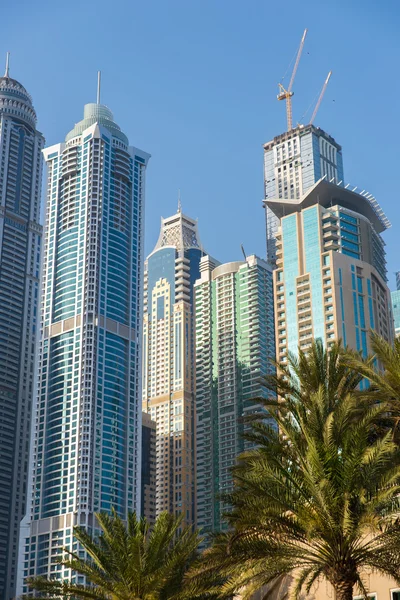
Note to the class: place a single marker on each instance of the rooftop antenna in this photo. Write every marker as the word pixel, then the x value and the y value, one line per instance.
pixel 179 201
pixel 7 73
pixel 98 86
pixel 244 253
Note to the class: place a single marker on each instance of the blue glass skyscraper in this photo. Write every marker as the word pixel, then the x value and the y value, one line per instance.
pixel 86 451
pixel 20 246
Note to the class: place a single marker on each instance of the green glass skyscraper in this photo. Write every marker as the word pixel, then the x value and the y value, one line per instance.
pixel 86 451
pixel 234 342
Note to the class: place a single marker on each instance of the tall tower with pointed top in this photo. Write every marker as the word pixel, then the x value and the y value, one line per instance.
pixel 20 248
pixel 86 454
pixel 168 360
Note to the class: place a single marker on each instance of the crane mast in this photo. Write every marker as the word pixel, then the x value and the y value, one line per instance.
pixel 286 94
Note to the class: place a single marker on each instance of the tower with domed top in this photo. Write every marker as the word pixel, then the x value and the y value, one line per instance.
pixel 86 453
pixel 20 248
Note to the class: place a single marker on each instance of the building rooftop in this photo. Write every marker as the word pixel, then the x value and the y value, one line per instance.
pixel 178 231
pixel 97 113
pixel 301 130
pixel 329 194
pixel 15 100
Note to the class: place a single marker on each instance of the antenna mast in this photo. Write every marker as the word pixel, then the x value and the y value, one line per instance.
pixel 98 86
pixel 7 72
pixel 179 202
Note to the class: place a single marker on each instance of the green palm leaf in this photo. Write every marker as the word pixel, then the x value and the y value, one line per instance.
pixel 318 498
pixel 128 561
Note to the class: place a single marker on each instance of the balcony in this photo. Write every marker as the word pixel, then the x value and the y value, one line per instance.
pixel 332 234
pixel 331 245
pixel 329 225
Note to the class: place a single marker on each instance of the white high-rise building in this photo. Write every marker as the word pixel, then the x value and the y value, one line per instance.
pixel 87 430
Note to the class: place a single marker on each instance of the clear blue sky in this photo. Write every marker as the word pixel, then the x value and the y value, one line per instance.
pixel 194 83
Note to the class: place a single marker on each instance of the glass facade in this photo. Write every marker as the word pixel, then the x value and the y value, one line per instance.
pixel 291 259
pixel 148 485
pixel 312 252
pixel 328 281
pixel 396 311
pixel 234 342
pixel 20 252
pixel 293 163
pixel 87 437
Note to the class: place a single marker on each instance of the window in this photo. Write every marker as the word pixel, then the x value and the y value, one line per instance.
pixel 370 596
pixel 395 594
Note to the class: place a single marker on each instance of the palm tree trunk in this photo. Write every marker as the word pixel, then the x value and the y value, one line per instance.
pixel 344 590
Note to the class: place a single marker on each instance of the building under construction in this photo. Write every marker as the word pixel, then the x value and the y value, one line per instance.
pixel 293 162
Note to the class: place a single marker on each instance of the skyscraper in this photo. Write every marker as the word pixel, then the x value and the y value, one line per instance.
pixel 330 280
pixel 20 247
pixel 396 305
pixel 86 455
pixel 168 359
pixel 234 342
pixel 293 162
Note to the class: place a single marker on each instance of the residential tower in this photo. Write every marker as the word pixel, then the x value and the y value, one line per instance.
pixel 293 162
pixel 168 360
pixel 20 253
pixel 234 345
pixel 330 279
pixel 87 427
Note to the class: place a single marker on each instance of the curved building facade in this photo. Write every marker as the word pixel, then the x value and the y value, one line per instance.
pixel 20 248
pixel 86 454
pixel 330 280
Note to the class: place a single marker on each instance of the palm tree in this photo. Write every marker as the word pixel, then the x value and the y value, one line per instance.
pixel 317 498
pixel 382 370
pixel 127 561
pixel 307 372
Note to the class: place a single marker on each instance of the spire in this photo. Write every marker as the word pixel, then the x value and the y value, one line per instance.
pixel 179 201
pixel 98 86
pixel 7 73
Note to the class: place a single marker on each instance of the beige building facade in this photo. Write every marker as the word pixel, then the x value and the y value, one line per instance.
pixel 168 361
pixel 378 586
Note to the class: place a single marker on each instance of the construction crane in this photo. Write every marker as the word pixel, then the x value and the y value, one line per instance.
pixel 320 97
pixel 287 94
